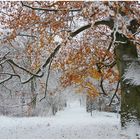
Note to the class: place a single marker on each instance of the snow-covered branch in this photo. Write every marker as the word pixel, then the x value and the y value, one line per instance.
pixel 48 9
pixel 107 21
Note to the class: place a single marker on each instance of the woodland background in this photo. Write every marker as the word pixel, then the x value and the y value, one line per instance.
pixel 55 51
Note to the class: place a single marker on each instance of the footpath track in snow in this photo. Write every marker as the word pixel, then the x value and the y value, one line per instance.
pixel 73 122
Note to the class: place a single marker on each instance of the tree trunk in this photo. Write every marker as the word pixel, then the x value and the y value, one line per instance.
pixel 130 95
pixel 33 96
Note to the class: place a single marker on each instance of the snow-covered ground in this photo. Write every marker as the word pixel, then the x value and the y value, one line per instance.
pixel 73 122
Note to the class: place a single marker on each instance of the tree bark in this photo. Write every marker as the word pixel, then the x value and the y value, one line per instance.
pixel 130 95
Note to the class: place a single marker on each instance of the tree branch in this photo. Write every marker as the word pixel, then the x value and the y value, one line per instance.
pixel 27 35
pixel 109 47
pixel 22 68
pixel 44 65
pixel 111 65
pixel 73 34
pixel 10 77
pixel 108 21
pixel 47 79
pixel 10 91
pixel 115 94
pixel 102 87
pixel 2 59
pixel 49 10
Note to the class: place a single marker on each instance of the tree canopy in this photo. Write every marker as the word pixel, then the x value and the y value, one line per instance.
pixel 75 38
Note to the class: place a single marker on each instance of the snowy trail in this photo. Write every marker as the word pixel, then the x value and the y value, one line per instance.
pixel 73 122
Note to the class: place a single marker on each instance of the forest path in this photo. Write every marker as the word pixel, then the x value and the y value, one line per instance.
pixel 73 122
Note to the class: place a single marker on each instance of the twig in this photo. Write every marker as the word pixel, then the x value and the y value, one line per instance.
pixel 7 89
pixel 26 35
pixel 5 55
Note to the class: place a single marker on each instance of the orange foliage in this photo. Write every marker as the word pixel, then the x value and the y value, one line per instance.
pixel 79 59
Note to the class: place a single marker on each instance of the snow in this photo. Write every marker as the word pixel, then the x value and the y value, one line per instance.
pixel 73 122
pixel 132 74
